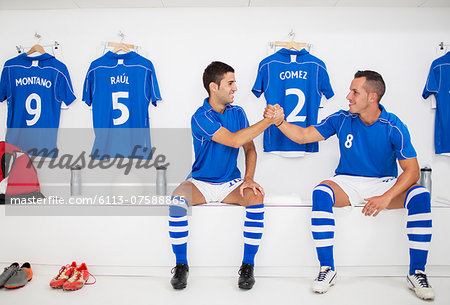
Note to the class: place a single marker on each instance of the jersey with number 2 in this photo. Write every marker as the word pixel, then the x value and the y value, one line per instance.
pixel 119 88
pixel 295 80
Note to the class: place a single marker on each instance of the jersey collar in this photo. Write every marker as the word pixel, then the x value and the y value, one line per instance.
pixel 33 58
pixel 121 56
pixel 293 52
pixel 208 107
pixel 384 113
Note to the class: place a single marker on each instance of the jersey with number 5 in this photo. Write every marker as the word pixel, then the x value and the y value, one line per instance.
pixel 120 88
pixel 295 80
pixel 368 150
pixel 35 88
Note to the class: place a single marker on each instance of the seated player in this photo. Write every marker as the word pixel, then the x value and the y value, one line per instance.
pixel 370 141
pixel 218 130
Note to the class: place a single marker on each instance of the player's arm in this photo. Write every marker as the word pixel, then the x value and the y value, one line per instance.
pixel 410 175
pixel 408 178
pixel 250 166
pixel 245 135
pixel 295 133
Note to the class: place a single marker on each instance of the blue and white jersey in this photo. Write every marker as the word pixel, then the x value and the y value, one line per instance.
pixel 296 81
pixel 215 162
pixel 120 88
pixel 368 150
pixel 438 83
pixel 34 88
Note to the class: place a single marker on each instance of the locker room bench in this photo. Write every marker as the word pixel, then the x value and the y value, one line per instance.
pixel 124 244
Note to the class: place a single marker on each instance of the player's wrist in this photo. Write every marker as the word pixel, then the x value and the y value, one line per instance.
pixel 278 125
pixel 388 197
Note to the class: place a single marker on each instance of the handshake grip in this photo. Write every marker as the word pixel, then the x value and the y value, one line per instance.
pixel 275 114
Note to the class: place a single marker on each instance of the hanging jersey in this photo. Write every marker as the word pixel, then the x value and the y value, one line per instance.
pixel 296 81
pixel 35 88
pixel 215 162
pixel 120 88
pixel 438 83
pixel 368 150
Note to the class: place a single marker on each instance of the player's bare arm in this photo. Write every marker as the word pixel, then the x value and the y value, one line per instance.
pixel 250 165
pixel 295 133
pixel 393 198
pixel 243 136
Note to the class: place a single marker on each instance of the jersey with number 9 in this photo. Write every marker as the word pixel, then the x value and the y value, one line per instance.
pixel 35 88
pixel 296 81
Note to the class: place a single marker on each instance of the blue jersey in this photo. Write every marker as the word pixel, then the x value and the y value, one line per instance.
pixel 438 83
pixel 215 162
pixel 34 88
pixel 296 81
pixel 368 150
pixel 120 88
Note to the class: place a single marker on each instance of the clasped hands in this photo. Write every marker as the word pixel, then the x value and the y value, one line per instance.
pixel 274 113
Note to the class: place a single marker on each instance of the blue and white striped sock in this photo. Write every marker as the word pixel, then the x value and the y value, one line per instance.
pixel 322 224
pixel 418 227
pixel 253 230
pixel 178 229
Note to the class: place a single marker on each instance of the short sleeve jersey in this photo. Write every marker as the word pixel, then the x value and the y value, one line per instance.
pixel 35 88
pixel 296 80
pixel 120 88
pixel 368 150
pixel 215 162
pixel 438 83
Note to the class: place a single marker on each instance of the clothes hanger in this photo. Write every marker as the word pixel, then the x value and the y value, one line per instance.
pixel 36 48
pixel 120 46
pixel 292 44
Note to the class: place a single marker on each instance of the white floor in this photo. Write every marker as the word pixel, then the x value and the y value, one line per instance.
pixel 223 290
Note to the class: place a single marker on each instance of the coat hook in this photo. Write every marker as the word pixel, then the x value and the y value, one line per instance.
pixel 292 35
pixel 122 36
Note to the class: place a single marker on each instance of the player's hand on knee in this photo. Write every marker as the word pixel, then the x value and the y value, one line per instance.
pixel 375 205
pixel 249 183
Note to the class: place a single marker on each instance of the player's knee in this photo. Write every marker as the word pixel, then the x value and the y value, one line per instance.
pixel 258 198
pixel 252 199
pixel 418 199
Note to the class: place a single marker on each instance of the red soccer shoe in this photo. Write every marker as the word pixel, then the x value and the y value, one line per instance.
pixel 64 274
pixel 78 279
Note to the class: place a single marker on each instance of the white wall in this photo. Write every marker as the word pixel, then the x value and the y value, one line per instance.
pixel 400 43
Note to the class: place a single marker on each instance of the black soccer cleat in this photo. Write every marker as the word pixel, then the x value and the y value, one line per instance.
pixel 246 278
pixel 180 276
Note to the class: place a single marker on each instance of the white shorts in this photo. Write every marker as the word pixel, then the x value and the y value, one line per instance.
pixel 357 187
pixel 216 192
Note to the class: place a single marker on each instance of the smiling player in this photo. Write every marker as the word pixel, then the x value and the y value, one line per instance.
pixel 371 140
pixel 218 130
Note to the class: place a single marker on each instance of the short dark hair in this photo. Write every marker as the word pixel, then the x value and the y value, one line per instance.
pixel 215 72
pixel 374 82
